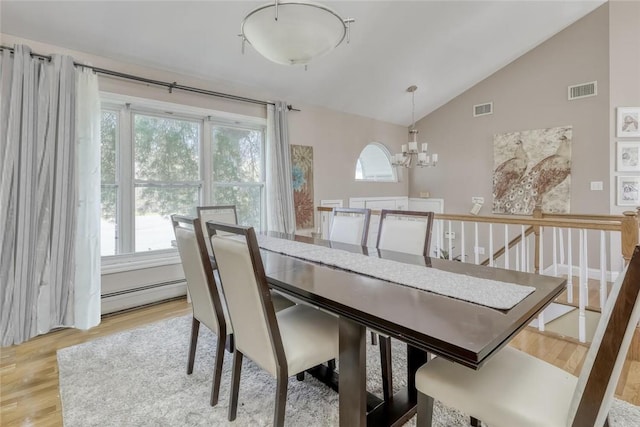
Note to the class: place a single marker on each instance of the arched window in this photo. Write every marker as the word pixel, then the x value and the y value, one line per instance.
pixel 374 164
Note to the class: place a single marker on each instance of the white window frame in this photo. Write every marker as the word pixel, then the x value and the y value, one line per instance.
pixel 376 178
pixel 125 105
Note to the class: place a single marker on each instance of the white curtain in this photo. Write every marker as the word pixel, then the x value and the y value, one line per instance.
pixel 39 195
pixel 280 208
pixel 87 271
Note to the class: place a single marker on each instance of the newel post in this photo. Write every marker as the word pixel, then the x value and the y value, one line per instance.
pixel 537 214
pixel 629 233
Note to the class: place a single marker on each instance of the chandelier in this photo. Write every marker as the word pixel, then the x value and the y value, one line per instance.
pixel 294 32
pixel 410 155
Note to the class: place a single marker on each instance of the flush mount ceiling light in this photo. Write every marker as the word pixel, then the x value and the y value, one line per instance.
pixel 294 32
pixel 410 154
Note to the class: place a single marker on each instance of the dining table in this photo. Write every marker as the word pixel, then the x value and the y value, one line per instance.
pixel 429 323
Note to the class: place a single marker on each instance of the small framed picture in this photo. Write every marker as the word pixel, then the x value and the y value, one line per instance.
pixel 628 191
pixel 628 122
pixel 628 156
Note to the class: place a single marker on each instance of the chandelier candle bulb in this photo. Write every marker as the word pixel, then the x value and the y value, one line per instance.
pixel 427 158
pixel 404 148
pixel 434 158
pixel 413 147
pixel 424 147
pixel 422 157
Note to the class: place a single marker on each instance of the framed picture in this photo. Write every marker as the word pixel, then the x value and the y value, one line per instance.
pixel 628 122
pixel 628 156
pixel 628 191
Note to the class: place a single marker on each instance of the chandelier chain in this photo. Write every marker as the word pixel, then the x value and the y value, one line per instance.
pixel 413 109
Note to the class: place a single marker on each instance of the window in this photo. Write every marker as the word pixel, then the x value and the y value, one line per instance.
pixel 153 166
pixel 167 176
pixel 238 172
pixel 374 164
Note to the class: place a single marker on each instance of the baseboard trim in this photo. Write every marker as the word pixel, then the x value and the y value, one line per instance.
pixel 122 300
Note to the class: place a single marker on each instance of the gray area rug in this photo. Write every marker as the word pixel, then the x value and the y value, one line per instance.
pixel 138 378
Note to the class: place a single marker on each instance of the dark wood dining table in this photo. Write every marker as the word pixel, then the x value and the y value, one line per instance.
pixel 427 322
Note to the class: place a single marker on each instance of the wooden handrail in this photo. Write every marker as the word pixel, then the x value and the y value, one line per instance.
pixel 584 217
pixel 608 225
pixel 627 224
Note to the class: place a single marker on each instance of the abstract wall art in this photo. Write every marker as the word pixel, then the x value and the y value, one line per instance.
pixel 302 176
pixel 532 168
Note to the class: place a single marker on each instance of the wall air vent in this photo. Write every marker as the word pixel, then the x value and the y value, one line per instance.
pixel 583 90
pixel 483 109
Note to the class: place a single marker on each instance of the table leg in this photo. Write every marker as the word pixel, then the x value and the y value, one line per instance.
pixel 415 359
pixel 353 374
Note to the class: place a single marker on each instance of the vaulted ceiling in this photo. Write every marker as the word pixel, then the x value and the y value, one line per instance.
pixel 443 47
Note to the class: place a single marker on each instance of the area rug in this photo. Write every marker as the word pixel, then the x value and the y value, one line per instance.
pixel 138 378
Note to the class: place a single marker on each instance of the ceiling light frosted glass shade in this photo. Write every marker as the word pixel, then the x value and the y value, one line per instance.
pixel 302 32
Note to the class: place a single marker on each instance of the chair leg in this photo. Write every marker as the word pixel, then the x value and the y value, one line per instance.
pixel 235 384
pixel 300 376
pixel 281 401
pixel 229 344
pixel 425 410
pixel 475 422
pixel 374 338
pixel 331 364
pixel 195 327
pixel 217 370
pixel 387 374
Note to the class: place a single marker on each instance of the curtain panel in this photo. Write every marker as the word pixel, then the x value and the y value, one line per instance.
pixel 280 208
pixel 41 203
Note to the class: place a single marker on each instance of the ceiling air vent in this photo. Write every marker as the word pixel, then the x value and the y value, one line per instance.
pixel 583 90
pixel 482 109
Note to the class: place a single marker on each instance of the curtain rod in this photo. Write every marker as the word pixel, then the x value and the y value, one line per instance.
pixel 168 85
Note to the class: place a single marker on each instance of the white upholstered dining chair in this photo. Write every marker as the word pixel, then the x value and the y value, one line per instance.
pixel 516 389
pixel 227 214
pixel 350 225
pixel 284 343
pixel 407 232
pixel 219 213
pixel 206 302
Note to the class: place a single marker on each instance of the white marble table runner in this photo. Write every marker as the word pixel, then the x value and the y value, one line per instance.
pixel 490 293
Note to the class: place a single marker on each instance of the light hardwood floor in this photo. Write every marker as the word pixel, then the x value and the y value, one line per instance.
pixel 29 389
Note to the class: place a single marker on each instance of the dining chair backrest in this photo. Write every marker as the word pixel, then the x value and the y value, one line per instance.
pixel 350 225
pixel 405 231
pixel 604 361
pixel 247 294
pixel 205 299
pixel 221 213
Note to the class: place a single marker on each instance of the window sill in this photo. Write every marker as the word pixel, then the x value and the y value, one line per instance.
pixel 130 262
